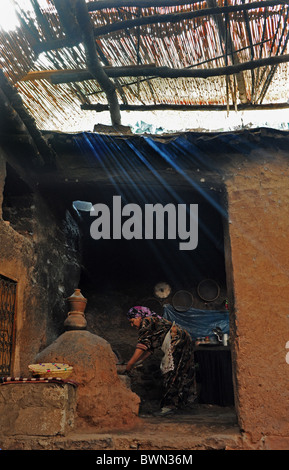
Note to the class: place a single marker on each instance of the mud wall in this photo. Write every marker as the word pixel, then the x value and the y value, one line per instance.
pixel 39 251
pixel 258 206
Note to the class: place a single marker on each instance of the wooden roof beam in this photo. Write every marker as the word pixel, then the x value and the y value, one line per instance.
pixel 185 107
pixel 108 4
pixel 66 76
pixel 75 75
pixel 167 72
pixel 57 76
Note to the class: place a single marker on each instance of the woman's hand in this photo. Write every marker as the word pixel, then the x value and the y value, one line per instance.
pixel 138 355
pixel 121 368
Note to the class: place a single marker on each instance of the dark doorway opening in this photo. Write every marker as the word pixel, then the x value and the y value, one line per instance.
pixel 120 273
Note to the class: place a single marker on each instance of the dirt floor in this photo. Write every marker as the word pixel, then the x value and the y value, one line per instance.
pixel 202 427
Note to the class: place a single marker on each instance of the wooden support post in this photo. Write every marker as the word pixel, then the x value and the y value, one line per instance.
pixel 75 19
pixel 93 62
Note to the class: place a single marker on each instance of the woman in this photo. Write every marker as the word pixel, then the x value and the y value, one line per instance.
pixel 178 361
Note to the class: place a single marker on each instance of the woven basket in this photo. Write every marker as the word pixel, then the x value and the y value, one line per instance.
pixel 51 369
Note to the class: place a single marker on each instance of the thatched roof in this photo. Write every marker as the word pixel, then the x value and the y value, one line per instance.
pixel 69 55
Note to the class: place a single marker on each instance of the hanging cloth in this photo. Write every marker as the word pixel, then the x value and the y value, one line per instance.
pixel 167 362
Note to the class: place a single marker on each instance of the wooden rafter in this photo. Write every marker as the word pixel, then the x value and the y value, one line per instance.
pixel 107 4
pixel 57 76
pixel 182 107
pixel 75 75
pixel 66 76
pixel 167 72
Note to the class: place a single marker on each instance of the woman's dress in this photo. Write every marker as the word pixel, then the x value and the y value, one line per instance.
pixel 179 382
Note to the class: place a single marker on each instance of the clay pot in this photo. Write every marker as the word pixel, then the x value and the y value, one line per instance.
pixel 77 302
pixel 76 319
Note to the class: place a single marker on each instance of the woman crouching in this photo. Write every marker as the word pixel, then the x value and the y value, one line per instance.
pixel 177 364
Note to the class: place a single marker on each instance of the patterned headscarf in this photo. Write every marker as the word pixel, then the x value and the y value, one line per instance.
pixel 141 312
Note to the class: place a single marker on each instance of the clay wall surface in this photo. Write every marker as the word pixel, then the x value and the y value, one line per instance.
pixel 258 206
pixel 44 262
pixel 37 409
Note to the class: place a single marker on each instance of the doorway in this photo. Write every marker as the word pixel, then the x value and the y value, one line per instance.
pixel 120 273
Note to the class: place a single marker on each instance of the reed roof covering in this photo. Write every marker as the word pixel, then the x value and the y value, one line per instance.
pixel 67 56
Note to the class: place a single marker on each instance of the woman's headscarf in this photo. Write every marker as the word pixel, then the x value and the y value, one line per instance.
pixel 141 312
